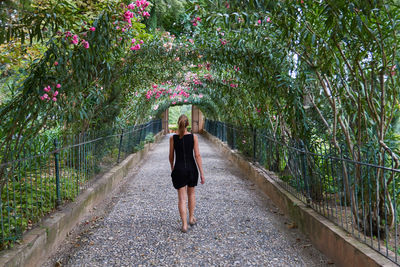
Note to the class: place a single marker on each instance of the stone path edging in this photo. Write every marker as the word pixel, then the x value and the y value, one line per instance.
pixel 43 239
pixel 325 235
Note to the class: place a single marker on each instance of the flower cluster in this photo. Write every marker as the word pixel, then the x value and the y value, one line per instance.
pixel 131 13
pixel 177 93
pixel 192 77
pixel 74 39
pixel 195 21
pixel 46 96
pixel 208 77
pixel 85 43
pixel 168 40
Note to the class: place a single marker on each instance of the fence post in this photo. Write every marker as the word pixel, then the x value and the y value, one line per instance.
pixel 304 167
pixel 120 145
pixel 57 169
pixel 234 138
pixel 224 132
pixel 254 144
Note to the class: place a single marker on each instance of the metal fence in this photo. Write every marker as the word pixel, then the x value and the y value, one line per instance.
pixel 51 171
pixel 358 191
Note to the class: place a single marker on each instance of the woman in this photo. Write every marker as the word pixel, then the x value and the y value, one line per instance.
pixel 184 172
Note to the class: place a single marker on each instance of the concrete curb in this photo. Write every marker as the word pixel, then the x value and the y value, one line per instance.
pixel 330 239
pixel 45 238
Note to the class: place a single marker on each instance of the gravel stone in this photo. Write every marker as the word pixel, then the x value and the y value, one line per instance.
pixel 237 225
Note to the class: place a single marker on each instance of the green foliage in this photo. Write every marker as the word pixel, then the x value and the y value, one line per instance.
pixel 26 200
pixel 149 138
pixel 175 111
pixel 168 15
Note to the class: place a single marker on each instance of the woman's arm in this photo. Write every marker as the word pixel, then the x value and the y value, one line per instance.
pixel 198 158
pixel 171 152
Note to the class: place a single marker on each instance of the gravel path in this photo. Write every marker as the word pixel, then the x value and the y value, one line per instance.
pixel 237 224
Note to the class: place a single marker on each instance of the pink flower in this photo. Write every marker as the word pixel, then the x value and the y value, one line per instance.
pixel 227 5
pixel 146 14
pixel 191 41
pixel 131 6
pixel 223 42
pixel 56 63
pixel 195 24
pixel 128 15
pixel 58 86
pixel 117 27
pixel 198 19
pixel 85 44
pixel 133 40
pixel 46 96
pixel 55 93
pixel 141 42
pixel 393 70
pixel 47 89
pixel 41 97
pixel 75 42
pixel 173 103
pixel 268 19
pixel 154 86
pixel 259 21
pixel 54 99
pixel 92 29
pixel 136 47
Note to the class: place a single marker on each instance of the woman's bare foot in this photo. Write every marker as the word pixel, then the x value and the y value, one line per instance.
pixel 184 229
pixel 192 221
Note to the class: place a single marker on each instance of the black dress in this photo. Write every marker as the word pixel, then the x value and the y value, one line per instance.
pixel 185 168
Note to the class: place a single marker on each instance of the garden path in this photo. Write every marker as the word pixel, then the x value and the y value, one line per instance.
pixel 237 224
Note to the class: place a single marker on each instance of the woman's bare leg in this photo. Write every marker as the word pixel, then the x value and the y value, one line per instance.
pixel 192 204
pixel 182 197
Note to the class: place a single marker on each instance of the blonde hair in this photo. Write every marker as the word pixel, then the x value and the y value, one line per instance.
pixel 183 122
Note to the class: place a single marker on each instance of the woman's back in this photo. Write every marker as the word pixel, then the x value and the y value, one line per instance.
pixel 183 148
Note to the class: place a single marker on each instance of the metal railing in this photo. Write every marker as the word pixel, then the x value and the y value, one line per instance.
pixel 51 171
pixel 358 191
